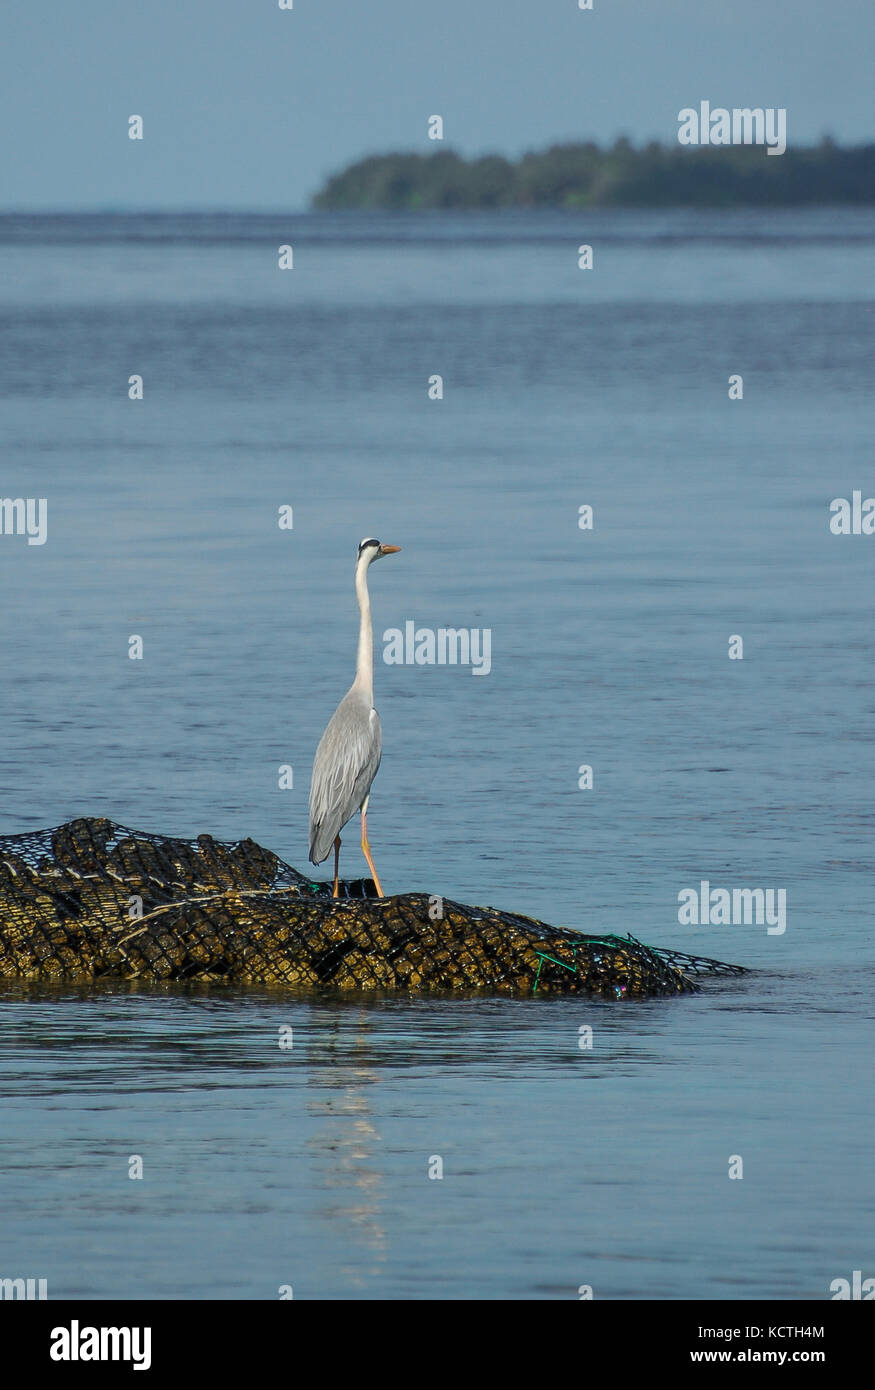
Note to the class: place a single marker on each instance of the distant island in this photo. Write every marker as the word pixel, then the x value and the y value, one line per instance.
pixel 584 175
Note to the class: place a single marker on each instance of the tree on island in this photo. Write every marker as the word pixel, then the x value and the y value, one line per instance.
pixel 584 175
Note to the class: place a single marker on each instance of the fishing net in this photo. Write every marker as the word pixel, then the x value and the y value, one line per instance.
pixel 92 899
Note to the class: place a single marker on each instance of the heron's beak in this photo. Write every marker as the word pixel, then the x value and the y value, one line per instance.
pixel 389 549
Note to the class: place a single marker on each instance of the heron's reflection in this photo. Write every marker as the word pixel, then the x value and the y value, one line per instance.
pixel 347 1149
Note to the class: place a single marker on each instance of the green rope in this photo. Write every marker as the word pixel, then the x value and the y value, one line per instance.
pixel 588 941
pixel 542 956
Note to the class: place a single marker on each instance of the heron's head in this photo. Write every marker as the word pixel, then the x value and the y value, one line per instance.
pixel 371 550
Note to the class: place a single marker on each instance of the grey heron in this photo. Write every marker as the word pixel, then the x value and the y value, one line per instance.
pixel 349 751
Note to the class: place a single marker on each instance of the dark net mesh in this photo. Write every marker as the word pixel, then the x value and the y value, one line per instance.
pixel 92 899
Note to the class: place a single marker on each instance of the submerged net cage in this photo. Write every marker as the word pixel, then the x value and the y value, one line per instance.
pixel 92 899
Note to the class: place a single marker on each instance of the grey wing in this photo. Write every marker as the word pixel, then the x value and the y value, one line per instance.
pixel 345 765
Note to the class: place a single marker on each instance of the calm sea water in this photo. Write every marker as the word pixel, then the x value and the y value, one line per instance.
pixel 609 387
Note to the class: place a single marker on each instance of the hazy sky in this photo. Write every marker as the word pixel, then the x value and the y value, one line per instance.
pixel 247 105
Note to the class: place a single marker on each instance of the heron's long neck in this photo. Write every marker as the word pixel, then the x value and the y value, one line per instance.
pixel 364 670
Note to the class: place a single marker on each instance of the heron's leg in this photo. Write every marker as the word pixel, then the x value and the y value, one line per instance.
pixel 366 851
pixel 336 893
